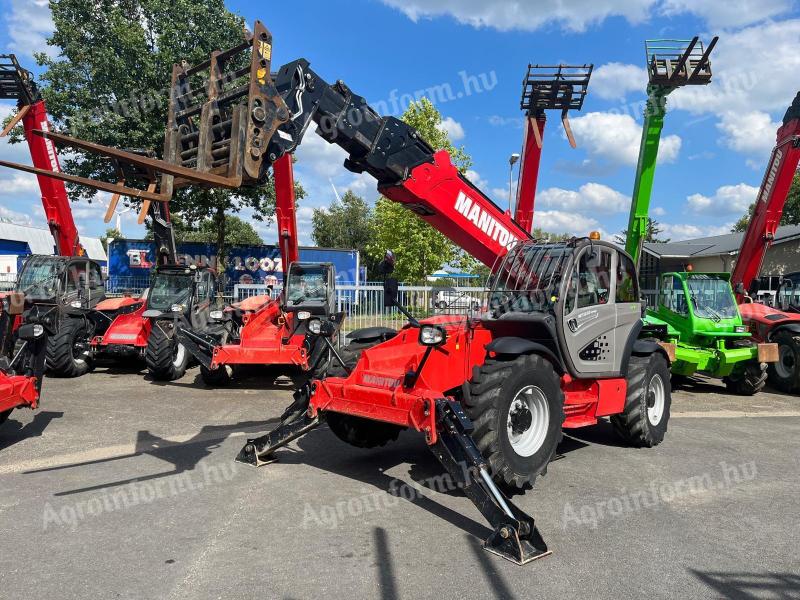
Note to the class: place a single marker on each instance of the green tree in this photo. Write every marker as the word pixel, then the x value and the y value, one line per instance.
pixel 237 231
pixel 347 224
pixel 110 234
pixel 654 229
pixel 791 210
pixel 108 82
pixel 545 236
pixel 419 248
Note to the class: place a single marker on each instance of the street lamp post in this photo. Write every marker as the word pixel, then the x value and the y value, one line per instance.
pixel 512 160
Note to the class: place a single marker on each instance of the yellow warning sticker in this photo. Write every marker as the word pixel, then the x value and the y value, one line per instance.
pixel 265 50
pixel 261 76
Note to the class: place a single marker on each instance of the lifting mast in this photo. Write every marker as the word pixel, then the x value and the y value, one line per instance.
pixel 17 84
pixel 671 64
pixel 545 88
pixel 770 201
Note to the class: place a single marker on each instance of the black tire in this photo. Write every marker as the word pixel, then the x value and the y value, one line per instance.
pixel 166 359
pixel 750 381
pixel 784 375
pixel 4 415
pixel 68 353
pixel 219 377
pixel 635 425
pixel 357 431
pixel 495 389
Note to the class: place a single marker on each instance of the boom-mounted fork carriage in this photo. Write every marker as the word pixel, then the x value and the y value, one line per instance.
pixel 559 346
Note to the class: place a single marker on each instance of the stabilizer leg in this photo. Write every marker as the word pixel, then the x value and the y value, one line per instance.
pixel 259 451
pixel 515 535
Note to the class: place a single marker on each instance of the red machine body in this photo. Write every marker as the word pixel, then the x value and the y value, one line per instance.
pixel 129 330
pixel 529 171
pixel 17 391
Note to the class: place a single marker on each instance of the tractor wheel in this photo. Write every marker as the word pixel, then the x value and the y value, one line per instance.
pixel 68 353
pixel 517 408
pixel 4 415
pixel 219 377
pixel 784 375
pixel 357 431
pixel 644 420
pixel 748 383
pixel 166 359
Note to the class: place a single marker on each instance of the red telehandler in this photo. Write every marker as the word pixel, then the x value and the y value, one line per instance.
pixel 769 324
pixel 560 344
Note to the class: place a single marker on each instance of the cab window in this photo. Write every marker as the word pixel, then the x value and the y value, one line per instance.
pixel 673 297
pixel 591 280
pixel 95 277
pixel 626 280
pixel 76 277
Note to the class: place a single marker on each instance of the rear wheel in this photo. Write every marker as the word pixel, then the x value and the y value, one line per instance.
pixel 644 420
pixel 166 359
pixel 68 352
pixel 749 381
pixel 517 408
pixel 784 375
pixel 357 431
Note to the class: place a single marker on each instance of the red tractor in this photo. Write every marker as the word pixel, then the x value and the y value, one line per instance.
pixel 560 344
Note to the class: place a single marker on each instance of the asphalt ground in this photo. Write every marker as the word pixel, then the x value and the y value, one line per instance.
pixel 119 487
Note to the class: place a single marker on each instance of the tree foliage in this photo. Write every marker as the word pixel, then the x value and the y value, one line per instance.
pixel 237 232
pixel 791 210
pixel 108 82
pixel 419 248
pixel 654 229
pixel 346 224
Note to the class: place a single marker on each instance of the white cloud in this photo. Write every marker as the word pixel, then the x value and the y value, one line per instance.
pixel 453 128
pixel 679 232
pixel 18 183
pixel 750 133
pixel 476 179
pixel 727 200
pixel 750 72
pixel 613 81
pixel 616 138
pixel 591 197
pixel 732 13
pixel 559 221
pixel 14 217
pixel 506 15
pixel 29 23
pixel 658 212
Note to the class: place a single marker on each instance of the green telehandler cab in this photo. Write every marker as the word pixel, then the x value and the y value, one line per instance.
pixel 694 312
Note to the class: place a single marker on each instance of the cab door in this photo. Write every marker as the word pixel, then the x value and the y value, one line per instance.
pixel 204 295
pixel 590 313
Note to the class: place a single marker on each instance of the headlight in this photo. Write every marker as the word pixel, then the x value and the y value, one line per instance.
pixel 76 304
pixel 178 308
pixel 315 326
pixel 38 330
pixel 740 329
pixel 303 315
pixel 432 335
pixel 216 315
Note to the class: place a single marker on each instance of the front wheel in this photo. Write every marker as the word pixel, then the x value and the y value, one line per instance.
pixel 784 375
pixel 750 381
pixel 643 422
pixel 166 359
pixel 68 352
pixel 517 408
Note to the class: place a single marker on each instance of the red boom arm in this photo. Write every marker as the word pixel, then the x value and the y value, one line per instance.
pixel 529 172
pixel 285 212
pixel 770 200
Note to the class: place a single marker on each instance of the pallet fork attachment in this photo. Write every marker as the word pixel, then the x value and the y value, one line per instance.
pixel 515 536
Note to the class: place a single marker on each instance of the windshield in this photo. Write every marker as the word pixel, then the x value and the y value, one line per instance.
pixel 529 278
pixel 39 278
pixel 307 283
pixel 167 290
pixel 711 297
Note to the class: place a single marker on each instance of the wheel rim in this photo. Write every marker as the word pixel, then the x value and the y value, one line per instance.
pixel 786 363
pixel 656 400
pixel 527 421
pixel 178 355
pixel 79 351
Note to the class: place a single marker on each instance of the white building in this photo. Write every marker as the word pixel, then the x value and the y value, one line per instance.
pixel 20 241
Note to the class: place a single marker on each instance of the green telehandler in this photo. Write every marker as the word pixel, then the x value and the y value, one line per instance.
pixel 695 313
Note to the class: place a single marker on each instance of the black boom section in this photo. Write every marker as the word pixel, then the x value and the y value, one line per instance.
pixel 385 147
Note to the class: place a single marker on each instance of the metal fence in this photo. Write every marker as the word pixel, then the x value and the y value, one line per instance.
pixel 7 281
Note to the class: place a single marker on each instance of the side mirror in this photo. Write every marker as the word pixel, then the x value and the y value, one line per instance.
pixel 738 289
pixel 390 288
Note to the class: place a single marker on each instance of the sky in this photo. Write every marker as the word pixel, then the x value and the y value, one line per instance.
pixel 470 56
